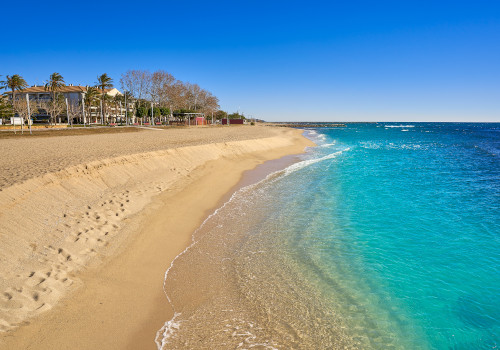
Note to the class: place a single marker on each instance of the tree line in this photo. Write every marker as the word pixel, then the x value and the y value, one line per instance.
pixel 145 94
pixel 163 90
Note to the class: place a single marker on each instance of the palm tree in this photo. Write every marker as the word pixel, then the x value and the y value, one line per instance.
pixel 54 84
pixel 90 98
pixel 103 82
pixel 14 82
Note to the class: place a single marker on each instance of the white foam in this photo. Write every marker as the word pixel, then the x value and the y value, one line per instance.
pixel 370 145
pixel 315 136
pixel 305 163
pixel 328 144
pixel 399 126
pixel 167 331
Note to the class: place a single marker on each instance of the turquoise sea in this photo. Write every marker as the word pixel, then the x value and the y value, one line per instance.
pixel 384 236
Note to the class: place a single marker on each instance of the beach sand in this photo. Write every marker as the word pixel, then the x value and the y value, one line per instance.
pixel 89 224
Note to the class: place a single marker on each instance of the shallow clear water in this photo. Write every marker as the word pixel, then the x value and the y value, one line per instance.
pixel 385 236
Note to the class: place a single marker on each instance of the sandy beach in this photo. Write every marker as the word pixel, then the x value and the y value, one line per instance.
pixel 90 223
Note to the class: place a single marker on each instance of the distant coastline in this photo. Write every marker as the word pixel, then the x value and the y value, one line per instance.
pixel 307 125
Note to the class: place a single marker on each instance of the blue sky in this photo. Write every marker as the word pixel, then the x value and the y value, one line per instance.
pixel 277 60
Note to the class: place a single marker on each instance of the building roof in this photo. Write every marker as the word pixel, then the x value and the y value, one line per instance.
pixel 67 89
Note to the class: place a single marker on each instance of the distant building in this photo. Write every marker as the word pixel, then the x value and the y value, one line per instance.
pixel 74 94
pixel 70 92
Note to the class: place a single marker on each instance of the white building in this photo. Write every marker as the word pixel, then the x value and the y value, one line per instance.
pixel 75 96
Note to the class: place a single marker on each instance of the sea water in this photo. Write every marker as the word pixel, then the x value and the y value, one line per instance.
pixel 385 236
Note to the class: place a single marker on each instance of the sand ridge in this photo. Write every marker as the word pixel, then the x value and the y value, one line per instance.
pixel 27 157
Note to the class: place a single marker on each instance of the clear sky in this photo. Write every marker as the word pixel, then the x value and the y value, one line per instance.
pixel 277 60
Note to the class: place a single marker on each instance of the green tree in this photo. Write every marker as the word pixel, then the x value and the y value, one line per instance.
pixel 14 83
pixel 156 112
pixel 141 112
pixel 164 111
pixel 220 115
pixel 103 82
pixel 91 96
pixel 54 85
pixel 129 105
pixel 6 110
pixel 236 116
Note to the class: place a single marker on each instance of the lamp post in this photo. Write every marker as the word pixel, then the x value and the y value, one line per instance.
pixel 29 111
pixel 83 109
pixel 151 114
pixel 67 112
pixel 126 109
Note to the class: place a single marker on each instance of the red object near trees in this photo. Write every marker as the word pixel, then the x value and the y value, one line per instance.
pixel 232 121
pixel 200 121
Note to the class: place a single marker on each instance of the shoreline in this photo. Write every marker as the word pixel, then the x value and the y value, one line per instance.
pixel 120 303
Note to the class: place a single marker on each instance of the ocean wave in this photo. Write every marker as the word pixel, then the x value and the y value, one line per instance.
pixel 399 126
pixel 165 332
pixel 410 146
pixel 392 146
pixel 369 145
pixel 328 144
pixel 305 163
pixel 315 136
